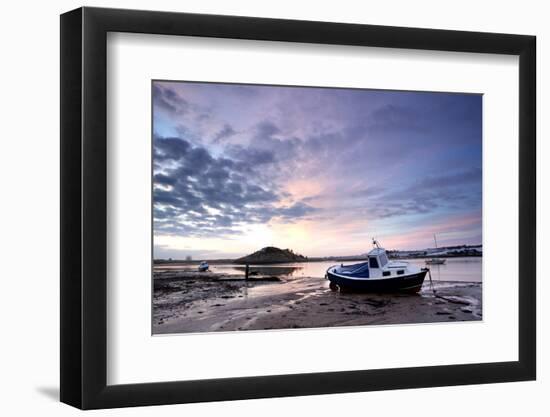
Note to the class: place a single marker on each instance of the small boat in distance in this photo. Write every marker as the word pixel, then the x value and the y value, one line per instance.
pixel 203 267
pixel 377 274
pixel 435 261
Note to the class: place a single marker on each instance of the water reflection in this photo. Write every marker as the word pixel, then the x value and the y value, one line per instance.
pixel 454 269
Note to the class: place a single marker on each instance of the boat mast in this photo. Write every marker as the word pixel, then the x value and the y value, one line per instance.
pixel 435 241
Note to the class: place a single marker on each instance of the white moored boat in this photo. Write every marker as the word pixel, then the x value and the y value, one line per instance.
pixel 435 261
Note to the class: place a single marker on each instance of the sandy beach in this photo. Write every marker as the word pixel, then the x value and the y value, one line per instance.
pixel 185 301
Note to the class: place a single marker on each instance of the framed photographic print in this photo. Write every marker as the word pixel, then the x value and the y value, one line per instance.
pixel 258 207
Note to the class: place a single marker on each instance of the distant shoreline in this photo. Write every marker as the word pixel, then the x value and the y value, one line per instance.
pixel 326 259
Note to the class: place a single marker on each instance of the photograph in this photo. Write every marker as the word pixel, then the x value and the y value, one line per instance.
pixel 292 207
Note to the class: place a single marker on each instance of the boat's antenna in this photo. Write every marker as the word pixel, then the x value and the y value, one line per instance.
pixel 375 243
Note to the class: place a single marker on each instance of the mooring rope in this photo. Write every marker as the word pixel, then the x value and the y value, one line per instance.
pixel 436 295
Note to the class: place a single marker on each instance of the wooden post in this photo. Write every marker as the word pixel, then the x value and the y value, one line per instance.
pixel 246 272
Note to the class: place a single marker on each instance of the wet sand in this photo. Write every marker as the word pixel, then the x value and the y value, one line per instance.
pixel 190 302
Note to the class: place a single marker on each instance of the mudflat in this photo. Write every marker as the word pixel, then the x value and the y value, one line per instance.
pixel 191 302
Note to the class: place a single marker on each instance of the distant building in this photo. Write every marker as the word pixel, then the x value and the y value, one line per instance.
pixel 188 258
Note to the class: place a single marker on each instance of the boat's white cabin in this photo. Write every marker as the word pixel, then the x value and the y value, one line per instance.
pixel 377 258
pixel 381 266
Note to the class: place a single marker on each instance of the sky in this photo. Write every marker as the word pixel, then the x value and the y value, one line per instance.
pixel 322 171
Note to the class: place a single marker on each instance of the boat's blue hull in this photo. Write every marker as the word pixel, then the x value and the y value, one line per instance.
pixel 407 283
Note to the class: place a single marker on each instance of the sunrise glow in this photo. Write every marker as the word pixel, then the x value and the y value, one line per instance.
pixel 317 170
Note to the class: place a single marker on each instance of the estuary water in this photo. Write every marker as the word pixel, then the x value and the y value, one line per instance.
pixel 467 269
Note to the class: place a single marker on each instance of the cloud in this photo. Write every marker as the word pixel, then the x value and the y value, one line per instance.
pixel 170 149
pixel 166 99
pixel 396 117
pixel 473 175
pixel 232 155
pixel 266 129
pixel 269 139
pixel 457 190
pixel 162 179
pixel 198 194
pixel 295 211
pixel 226 132
pixel 250 156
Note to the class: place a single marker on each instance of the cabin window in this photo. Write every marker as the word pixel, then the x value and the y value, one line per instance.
pixel 373 262
pixel 383 259
pixel 386 273
pixel 400 272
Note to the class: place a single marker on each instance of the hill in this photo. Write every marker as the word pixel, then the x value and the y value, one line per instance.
pixel 271 255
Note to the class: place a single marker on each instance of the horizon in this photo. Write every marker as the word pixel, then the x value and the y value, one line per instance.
pixel 321 256
pixel 318 170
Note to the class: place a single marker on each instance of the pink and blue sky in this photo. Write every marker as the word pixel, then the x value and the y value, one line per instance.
pixel 318 170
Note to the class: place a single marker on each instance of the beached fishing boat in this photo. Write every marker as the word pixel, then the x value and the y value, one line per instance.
pixel 203 266
pixel 377 274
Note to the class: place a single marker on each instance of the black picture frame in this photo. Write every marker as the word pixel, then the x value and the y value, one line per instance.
pixel 84 207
